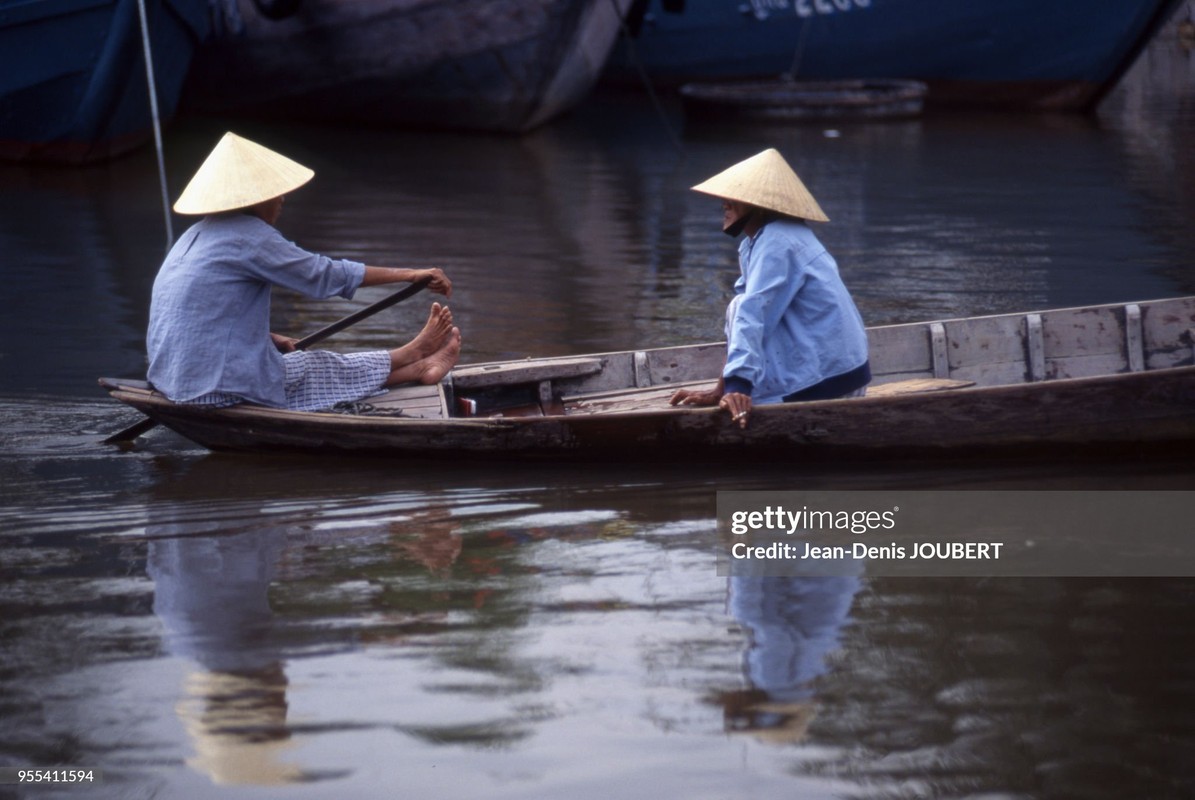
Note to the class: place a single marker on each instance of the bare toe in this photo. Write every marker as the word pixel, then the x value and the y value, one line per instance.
pixel 437 365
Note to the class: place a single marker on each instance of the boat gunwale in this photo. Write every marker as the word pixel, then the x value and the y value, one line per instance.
pixel 139 398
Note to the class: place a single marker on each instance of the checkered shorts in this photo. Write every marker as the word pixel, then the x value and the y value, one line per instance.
pixel 317 380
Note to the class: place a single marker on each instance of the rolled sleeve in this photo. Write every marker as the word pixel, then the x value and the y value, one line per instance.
pixel 281 262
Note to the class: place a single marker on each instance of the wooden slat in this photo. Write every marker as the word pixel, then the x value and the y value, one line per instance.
pixel 1081 342
pixel 531 371
pixel 1163 325
pixel 1036 344
pixel 425 402
pixel 672 387
pixel 900 350
pixel 657 397
pixel 988 350
pixel 642 369
pixel 1134 341
pixel 633 400
pixel 937 338
pixel 671 365
pixel 916 386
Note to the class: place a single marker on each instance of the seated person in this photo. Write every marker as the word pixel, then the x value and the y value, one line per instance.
pixel 209 338
pixel 793 332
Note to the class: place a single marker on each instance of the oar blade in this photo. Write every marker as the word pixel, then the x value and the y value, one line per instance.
pixel 132 432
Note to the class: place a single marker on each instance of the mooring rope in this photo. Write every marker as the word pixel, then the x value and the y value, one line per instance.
pixel 157 125
pixel 641 70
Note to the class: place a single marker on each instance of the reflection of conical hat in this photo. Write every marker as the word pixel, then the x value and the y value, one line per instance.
pixel 237 174
pixel 238 726
pixel 767 181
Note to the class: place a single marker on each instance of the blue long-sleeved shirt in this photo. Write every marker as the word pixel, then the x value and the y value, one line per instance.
pixel 795 324
pixel 209 317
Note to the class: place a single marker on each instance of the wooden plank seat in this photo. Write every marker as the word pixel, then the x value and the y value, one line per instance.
pixel 483 376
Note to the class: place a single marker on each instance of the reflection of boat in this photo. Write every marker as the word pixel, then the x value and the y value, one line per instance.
pixel 795 101
pixel 72 74
pixel 1113 377
pixel 1007 53
pixel 504 65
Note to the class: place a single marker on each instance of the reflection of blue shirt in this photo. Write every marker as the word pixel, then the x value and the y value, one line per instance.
pixel 795 324
pixel 212 593
pixel 794 624
pixel 209 319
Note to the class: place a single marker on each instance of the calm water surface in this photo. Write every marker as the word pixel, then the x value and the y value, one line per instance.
pixel 198 625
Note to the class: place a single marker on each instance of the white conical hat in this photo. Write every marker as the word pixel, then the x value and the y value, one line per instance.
pixel 767 181
pixel 239 173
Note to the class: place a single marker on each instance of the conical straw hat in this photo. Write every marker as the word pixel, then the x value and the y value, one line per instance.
pixel 239 173
pixel 767 181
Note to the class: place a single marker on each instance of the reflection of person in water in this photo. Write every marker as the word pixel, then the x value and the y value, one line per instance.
pixel 792 624
pixel 211 593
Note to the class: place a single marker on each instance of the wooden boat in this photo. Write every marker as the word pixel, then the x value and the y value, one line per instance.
pixel 803 101
pixel 1108 379
pixel 72 74
pixel 497 65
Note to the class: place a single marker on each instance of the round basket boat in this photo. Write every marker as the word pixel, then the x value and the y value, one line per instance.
pixel 797 101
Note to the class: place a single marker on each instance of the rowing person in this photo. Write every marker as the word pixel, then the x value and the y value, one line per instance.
pixel 793 332
pixel 209 337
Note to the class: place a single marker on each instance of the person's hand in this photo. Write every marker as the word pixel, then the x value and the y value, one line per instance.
pixel 285 344
pixel 439 283
pixel 695 397
pixel 739 406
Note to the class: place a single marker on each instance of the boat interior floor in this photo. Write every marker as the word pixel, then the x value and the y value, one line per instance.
pixel 524 400
pixel 536 398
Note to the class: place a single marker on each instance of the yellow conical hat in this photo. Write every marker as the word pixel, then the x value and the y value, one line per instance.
pixel 767 181
pixel 239 173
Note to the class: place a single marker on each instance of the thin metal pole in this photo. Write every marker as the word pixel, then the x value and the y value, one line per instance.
pixel 153 107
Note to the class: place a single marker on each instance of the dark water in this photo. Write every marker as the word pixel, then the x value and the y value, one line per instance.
pixel 199 625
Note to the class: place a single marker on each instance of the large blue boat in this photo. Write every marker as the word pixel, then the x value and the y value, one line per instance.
pixel 73 83
pixel 1035 54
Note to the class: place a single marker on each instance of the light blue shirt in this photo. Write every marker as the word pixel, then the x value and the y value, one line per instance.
pixel 794 324
pixel 209 318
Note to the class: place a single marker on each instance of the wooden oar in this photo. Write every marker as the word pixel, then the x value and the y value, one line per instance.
pixel 133 431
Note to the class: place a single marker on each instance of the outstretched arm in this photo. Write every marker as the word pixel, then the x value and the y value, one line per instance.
pixel 440 284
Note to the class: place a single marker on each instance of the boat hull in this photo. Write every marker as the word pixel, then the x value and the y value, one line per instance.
pixel 1144 414
pixel 1055 384
pixel 73 87
pixel 1005 54
pixel 501 65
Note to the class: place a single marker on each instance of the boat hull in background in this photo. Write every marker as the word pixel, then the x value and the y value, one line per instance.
pixel 1021 54
pixel 500 65
pixel 73 87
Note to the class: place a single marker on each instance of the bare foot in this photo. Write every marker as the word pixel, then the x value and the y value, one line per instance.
pixel 437 365
pixel 428 341
pixel 433 368
pixel 435 331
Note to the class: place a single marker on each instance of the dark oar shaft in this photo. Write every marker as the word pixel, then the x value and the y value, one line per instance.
pixel 368 311
pixel 133 431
